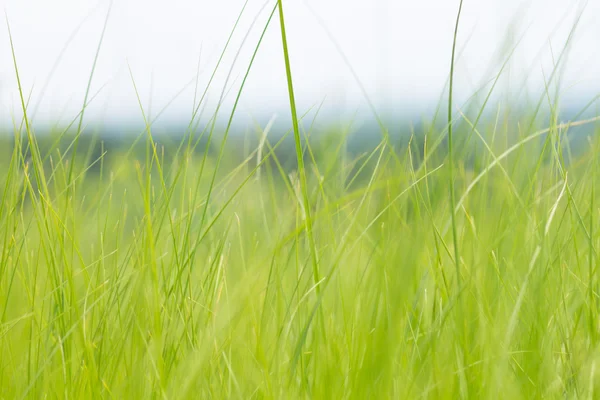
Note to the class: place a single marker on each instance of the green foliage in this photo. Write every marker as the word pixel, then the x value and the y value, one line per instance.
pixel 96 304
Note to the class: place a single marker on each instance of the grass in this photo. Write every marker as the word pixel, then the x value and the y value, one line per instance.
pixel 188 273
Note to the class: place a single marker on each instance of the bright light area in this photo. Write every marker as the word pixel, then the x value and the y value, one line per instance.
pixel 399 50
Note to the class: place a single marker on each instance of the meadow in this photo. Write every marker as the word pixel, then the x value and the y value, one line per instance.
pixel 462 263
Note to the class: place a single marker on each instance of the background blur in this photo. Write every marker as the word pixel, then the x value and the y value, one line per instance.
pixel 399 50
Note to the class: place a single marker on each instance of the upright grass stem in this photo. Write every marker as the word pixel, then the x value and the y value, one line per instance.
pixel 299 155
pixel 451 151
pixel 464 387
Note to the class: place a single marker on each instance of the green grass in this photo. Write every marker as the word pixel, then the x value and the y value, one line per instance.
pixel 403 272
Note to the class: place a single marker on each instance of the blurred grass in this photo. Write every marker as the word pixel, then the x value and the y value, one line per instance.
pixel 192 269
pixel 94 304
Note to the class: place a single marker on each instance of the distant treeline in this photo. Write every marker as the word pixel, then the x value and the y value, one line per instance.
pixel 100 149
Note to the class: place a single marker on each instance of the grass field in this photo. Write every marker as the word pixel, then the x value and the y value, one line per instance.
pixel 453 267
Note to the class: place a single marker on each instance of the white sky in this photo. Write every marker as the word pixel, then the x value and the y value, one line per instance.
pixel 400 50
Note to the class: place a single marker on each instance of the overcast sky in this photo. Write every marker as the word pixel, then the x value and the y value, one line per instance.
pixel 399 50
